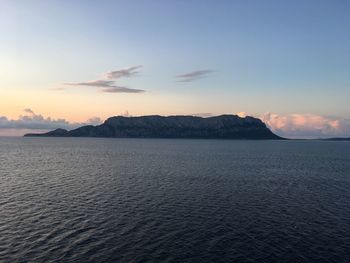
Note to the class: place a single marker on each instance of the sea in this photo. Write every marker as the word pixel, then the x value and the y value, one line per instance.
pixel 174 200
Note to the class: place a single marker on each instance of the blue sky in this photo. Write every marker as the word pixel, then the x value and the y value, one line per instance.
pixel 282 57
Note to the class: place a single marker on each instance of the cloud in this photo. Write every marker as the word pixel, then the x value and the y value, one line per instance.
pixel 94 121
pixel 32 121
pixel 193 75
pixel 127 72
pixel 241 114
pixel 307 125
pixel 109 86
pixel 27 110
pixel 117 89
pixel 94 83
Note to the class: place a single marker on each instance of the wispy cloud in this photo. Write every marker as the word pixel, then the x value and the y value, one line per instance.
pixel 117 89
pixel 193 75
pixel 93 83
pixel 109 86
pixel 127 72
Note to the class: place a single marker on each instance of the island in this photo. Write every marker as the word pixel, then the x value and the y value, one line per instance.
pixel 154 126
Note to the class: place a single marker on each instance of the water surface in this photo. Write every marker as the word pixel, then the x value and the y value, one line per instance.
pixel 145 200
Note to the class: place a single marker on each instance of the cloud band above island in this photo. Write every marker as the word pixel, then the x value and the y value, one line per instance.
pixel 302 126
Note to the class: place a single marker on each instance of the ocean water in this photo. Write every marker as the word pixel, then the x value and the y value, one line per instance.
pixel 148 200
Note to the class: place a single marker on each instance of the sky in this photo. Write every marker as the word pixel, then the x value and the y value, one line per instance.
pixel 69 63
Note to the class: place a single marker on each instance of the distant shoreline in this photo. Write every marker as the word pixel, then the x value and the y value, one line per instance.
pixel 184 127
pixel 285 139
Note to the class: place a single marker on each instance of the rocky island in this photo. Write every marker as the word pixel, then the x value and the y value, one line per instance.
pixel 218 127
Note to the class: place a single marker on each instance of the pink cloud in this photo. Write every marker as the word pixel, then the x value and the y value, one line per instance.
pixel 307 125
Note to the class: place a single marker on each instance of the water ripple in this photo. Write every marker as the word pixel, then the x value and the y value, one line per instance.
pixel 111 200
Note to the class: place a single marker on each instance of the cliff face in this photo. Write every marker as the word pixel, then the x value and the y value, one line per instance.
pixel 219 127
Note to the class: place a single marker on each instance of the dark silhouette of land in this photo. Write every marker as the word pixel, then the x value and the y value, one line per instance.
pixel 218 127
pixel 337 139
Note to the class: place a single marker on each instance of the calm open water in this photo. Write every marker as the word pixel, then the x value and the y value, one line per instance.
pixel 145 200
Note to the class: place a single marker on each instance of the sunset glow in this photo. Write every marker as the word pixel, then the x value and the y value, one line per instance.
pixel 78 61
